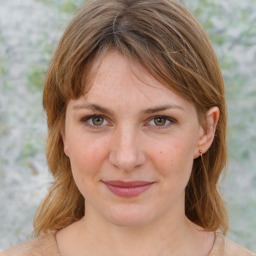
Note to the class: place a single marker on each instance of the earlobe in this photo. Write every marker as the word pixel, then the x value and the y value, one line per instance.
pixel 207 133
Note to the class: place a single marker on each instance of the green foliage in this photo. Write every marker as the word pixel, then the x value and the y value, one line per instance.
pixel 66 6
pixel 2 70
pixel 4 128
pixel 37 72
pixel 32 146
pixel 2 66
pixel 36 76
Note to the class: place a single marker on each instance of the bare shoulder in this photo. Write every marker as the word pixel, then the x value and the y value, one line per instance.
pixel 225 247
pixel 44 245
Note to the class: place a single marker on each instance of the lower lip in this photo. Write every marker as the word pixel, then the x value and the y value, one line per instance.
pixel 128 191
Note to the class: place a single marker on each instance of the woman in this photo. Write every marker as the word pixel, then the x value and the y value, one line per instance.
pixel 137 137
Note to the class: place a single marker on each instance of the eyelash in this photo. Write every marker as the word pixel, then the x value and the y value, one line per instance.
pixel 166 118
pixel 88 121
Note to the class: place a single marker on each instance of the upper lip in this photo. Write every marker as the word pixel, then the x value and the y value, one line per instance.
pixel 127 184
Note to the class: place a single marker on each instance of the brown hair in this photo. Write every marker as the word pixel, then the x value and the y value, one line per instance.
pixel 166 40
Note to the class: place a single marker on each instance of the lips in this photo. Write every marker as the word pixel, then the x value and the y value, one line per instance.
pixel 127 189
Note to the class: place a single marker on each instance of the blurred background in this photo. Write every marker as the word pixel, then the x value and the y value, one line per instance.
pixel 29 33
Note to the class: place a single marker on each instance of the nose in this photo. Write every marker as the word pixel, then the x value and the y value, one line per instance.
pixel 126 150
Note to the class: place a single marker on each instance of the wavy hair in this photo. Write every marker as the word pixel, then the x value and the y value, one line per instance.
pixel 165 39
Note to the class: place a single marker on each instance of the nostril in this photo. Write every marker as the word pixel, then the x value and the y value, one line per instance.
pixel 126 160
pixel 126 152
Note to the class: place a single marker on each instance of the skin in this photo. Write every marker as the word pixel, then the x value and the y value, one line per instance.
pixel 129 129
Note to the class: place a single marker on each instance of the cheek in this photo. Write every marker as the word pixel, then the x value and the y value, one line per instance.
pixel 86 157
pixel 169 152
pixel 173 160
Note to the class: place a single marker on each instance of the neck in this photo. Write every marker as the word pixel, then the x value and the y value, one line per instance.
pixel 172 234
pixel 158 238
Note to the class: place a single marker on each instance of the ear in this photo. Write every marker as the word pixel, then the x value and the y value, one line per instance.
pixel 207 133
pixel 65 145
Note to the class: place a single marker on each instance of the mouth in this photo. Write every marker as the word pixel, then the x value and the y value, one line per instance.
pixel 127 189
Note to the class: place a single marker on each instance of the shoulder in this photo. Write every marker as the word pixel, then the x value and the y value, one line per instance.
pixel 225 247
pixel 232 248
pixel 44 245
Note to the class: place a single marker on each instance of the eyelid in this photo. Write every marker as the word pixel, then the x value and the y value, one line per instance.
pixel 86 120
pixel 168 118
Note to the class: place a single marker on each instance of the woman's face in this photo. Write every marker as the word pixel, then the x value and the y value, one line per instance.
pixel 131 145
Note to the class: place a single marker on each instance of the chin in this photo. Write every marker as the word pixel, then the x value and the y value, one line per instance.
pixel 129 217
pixel 130 222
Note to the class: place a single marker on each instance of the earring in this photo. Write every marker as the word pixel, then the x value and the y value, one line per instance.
pixel 201 153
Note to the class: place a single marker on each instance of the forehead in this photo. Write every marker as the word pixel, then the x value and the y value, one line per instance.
pixel 115 78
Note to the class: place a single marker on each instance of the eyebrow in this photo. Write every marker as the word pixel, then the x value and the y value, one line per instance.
pixel 162 108
pixel 96 107
pixel 93 107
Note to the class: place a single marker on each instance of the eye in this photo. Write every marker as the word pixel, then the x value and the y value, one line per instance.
pixel 95 121
pixel 161 122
